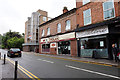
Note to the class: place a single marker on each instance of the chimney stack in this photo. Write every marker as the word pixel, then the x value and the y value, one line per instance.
pixel 65 10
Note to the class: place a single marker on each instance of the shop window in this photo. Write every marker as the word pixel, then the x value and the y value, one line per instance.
pixel 48 31
pixel 108 9
pixel 87 16
pixel 45 47
pixel 85 1
pixel 59 28
pixel 93 43
pixel 43 33
pixel 68 24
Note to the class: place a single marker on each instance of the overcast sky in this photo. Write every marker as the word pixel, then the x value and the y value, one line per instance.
pixel 14 13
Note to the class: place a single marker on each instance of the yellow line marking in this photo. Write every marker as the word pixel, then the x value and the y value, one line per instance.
pixel 77 61
pixel 29 74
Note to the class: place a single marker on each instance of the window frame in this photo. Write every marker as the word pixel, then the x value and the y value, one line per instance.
pixel 43 32
pixel 66 25
pixel 58 28
pixel 83 2
pixel 87 17
pixel 48 31
pixel 44 18
pixel 108 9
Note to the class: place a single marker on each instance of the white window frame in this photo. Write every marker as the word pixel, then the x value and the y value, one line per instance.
pixel 43 32
pixel 85 1
pixel 44 18
pixel 48 31
pixel 109 9
pixel 58 27
pixel 87 17
pixel 68 26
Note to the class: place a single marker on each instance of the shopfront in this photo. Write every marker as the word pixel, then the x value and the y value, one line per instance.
pixel 59 44
pixel 93 40
pixel 98 39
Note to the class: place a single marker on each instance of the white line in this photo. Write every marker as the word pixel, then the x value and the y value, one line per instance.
pixel 46 61
pixel 93 72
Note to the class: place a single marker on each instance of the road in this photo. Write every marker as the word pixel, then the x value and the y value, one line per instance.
pixel 35 66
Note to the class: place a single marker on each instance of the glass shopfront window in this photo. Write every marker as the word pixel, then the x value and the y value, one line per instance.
pixel 45 47
pixel 98 44
pixel 64 47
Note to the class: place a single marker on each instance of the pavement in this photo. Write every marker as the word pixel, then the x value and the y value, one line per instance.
pixel 7 71
pixel 105 62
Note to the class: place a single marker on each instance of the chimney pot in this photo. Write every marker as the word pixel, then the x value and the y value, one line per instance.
pixel 65 10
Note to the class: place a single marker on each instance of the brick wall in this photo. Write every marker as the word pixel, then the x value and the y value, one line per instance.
pixel 96 12
pixel 26 48
pixel 53 25
pixel 73 44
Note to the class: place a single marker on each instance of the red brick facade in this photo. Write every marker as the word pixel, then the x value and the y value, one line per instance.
pixel 52 24
pixel 96 11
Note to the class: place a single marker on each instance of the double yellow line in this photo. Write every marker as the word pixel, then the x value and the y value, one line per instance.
pixel 29 74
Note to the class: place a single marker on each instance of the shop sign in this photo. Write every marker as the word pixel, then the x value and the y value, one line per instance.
pixel 93 32
pixel 67 36
pixel 44 40
pixel 54 39
pixel 53 45
pixel 63 37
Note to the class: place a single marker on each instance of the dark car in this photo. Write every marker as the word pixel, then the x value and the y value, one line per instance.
pixel 14 52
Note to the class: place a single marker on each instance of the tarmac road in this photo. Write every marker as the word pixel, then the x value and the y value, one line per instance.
pixel 35 66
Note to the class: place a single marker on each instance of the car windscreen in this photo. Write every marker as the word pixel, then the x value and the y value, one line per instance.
pixel 15 50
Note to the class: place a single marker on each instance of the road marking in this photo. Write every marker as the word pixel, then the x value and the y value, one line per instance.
pixel 46 61
pixel 93 72
pixel 92 62
pixel 29 74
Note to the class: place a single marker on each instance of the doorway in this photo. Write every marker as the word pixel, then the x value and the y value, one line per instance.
pixel 64 47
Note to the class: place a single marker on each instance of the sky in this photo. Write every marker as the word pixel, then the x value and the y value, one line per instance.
pixel 14 13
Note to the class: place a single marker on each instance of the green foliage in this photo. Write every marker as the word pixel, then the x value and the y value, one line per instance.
pixel 12 40
pixel 15 42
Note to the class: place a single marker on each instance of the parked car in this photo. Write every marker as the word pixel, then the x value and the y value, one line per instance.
pixel 14 52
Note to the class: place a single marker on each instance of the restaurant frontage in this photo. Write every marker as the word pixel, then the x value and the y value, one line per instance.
pixel 59 44
pixel 98 38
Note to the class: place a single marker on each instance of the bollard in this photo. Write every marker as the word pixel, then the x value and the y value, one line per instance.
pixel 4 58
pixel 15 74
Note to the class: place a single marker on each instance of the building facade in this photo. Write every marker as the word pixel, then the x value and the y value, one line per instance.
pixel 32 30
pixel 57 36
pixel 98 28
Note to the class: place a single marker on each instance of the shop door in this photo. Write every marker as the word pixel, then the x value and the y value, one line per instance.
pixel 64 47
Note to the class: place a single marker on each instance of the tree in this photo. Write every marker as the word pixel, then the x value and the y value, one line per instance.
pixel 15 42
pixel 12 40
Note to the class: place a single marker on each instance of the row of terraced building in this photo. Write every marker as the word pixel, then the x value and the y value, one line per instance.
pixel 90 27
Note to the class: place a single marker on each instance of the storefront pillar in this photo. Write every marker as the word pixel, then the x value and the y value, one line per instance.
pixel 78 47
pixel 109 46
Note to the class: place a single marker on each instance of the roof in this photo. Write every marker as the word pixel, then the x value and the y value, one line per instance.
pixel 114 20
pixel 60 16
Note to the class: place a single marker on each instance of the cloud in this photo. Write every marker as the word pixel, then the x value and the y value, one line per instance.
pixel 14 13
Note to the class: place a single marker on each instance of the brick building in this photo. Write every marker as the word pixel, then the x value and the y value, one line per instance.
pixel 98 27
pixel 57 35
pixel 32 30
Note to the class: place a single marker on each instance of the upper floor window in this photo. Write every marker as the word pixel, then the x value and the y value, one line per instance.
pixel 44 19
pixel 43 32
pixel 67 24
pixel 87 16
pixel 59 28
pixel 48 31
pixel 85 1
pixel 108 9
